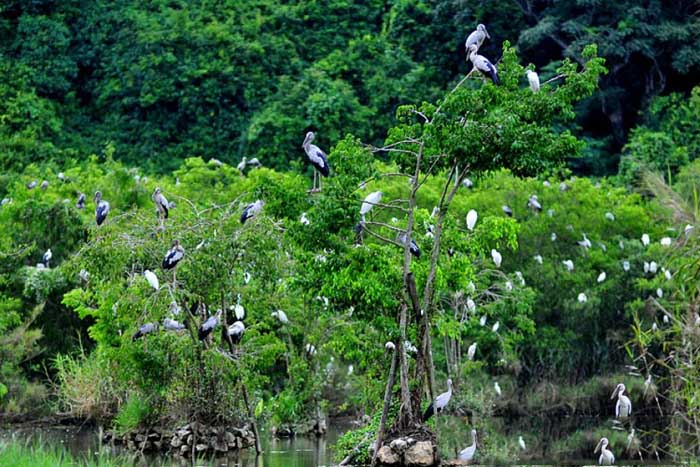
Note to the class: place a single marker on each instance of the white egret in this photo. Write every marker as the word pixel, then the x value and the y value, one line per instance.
pixel 304 220
pixel 601 277
pixel 582 298
pixel 610 216
pixel 538 258
pixel 667 274
pixel 152 279
pixel 471 287
pixel 310 349
pixel 521 442
pixel 389 345
pixel 645 239
pixel 553 237
pixel 687 229
pixel 606 456
pixel 497 388
pixel 482 320
pixel 369 202
pixel 281 316
pixel 472 217
pixel 586 243
pixel 471 351
pixel 534 80
pixel 569 264
pixel 626 265
pixel 440 402
pixel 509 286
pixel 497 258
pixel 665 319
pixel 666 241
pixel 653 267
pixel 520 277
pixel 46 259
pixel 467 183
pixel 623 407
pixel 471 306
pixel 496 325
pixel 659 293
pixel 467 454
pixel 646 267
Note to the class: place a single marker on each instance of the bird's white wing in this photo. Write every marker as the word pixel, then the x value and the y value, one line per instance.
pixel 317 156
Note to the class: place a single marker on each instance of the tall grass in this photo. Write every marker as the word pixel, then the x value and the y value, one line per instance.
pixel 17 454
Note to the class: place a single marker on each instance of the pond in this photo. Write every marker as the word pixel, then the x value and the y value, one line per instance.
pixel 569 440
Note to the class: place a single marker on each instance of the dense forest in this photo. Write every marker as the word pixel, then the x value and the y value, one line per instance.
pixel 541 243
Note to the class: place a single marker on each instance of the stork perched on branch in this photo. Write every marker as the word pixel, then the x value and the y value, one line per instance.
pixel 317 158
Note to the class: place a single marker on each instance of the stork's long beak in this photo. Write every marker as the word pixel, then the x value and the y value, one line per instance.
pixel 617 388
pixel 487 34
pixel 597 448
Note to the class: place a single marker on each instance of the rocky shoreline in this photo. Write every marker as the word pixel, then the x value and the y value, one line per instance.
pixel 187 440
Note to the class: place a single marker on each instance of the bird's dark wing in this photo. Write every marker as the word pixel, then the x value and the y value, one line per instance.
pixel 428 413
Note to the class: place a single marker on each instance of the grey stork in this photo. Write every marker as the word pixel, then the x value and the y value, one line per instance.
pixel 173 256
pixel 143 330
pixel 317 158
pixel 101 208
pixel 440 402
pixel 483 65
pixel 415 250
pixel 80 204
pixel 161 203
pixel 476 38
pixel 252 210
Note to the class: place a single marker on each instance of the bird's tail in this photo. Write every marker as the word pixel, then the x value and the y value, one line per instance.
pixel 428 413
pixel 494 77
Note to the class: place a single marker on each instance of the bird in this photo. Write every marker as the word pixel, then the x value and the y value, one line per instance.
pixel 471 351
pixel 254 163
pixel 238 310
pixel 47 257
pixel 601 277
pixel 281 316
pixel 482 64
pixel 472 216
pixel 235 332
pixel 476 38
pixel 161 203
pixel 252 210
pixel 216 162
pixel 304 220
pixel 539 259
pixel 31 185
pixel 533 203
pixel 666 241
pixel 606 456
pixel 553 237
pixel 389 345
pixel 44 185
pixel 310 349
pixel 582 298
pixel 170 324
pixel 439 403
pixel 61 176
pixel 610 216
pixel 101 208
pixel 152 279
pixel 467 454
pixel 623 408
pixel 645 239
pixel 497 258
pixel 482 320
pixel 174 255
pixel 6 201
pixel 688 228
pixel 369 202
pixel 659 293
pixel 507 210
pixel 495 326
pixel 653 267
pixel 646 267
pixel 242 164
pixel 521 442
pixel 317 158
pixel 413 248
pixel 80 204
pixel 569 264
pixel 467 183
pixel 534 80
pixel 143 330
pixel 667 274
pixel 586 243
pixel 208 326
pixel 471 306
pixel 563 186
pixel 497 388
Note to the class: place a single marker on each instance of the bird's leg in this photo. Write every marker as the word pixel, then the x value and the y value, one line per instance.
pixel 315 189
pixel 175 278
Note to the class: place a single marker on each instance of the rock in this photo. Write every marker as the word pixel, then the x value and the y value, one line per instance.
pixel 399 445
pixel 184 450
pixel 420 454
pixel 387 456
pixel 176 442
pixel 230 439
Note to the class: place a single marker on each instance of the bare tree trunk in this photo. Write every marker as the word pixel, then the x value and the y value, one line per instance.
pixel 387 403
pixel 251 416
pixel 406 410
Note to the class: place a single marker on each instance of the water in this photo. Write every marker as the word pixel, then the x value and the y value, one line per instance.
pixel 285 452
pixel 561 441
